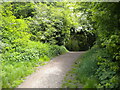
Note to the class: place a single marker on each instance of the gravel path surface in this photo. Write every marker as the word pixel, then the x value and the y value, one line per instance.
pixel 51 74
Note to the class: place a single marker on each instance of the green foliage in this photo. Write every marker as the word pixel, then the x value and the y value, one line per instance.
pixel 52 22
pixel 13 72
pixel 104 19
pixel 18 64
pixel 80 40
pixel 19 55
pixel 70 80
pixel 86 69
pixel 72 45
pixel 23 9
pixel 82 74
pixel 107 71
pixel 97 70
pixel 108 39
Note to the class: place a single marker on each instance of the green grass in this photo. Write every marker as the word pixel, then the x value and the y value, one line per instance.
pixel 83 72
pixel 70 80
pixel 13 74
pixel 94 69
pixel 18 64
pixel 86 69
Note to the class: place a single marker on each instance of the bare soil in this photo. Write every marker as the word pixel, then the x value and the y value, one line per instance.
pixel 51 74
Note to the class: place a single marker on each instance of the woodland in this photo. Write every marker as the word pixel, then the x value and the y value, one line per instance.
pixel 32 33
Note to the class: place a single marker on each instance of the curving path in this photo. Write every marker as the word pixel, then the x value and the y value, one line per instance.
pixel 52 74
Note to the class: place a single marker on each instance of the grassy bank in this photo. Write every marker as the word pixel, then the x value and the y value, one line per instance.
pixel 82 74
pixel 94 69
pixel 18 64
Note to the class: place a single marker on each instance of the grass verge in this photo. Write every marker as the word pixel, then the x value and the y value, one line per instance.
pixel 83 72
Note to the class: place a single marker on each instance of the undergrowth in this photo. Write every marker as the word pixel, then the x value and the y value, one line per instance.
pixel 86 68
pixel 20 62
pixel 94 69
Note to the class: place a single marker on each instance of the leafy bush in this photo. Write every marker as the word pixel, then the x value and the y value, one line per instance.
pixel 107 71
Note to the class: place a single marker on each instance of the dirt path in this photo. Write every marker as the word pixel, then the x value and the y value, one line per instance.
pixel 52 74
